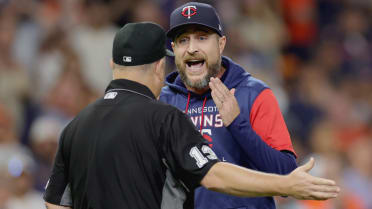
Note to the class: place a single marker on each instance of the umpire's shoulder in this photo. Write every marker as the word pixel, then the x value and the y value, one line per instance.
pixel 164 111
pixel 163 107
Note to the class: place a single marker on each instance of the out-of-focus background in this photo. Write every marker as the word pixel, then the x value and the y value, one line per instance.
pixel 315 55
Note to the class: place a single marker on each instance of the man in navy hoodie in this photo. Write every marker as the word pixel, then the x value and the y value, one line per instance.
pixel 236 113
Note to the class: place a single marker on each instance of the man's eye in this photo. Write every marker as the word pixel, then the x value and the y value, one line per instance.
pixel 182 40
pixel 202 38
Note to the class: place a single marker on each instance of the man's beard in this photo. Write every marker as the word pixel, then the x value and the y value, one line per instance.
pixel 213 70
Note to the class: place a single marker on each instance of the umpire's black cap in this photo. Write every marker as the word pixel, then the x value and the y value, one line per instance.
pixel 194 13
pixel 139 44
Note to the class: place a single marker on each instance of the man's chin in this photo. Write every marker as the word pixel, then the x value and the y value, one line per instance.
pixel 200 84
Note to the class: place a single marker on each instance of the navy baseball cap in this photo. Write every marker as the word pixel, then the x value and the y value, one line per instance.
pixel 139 43
pixel 194 13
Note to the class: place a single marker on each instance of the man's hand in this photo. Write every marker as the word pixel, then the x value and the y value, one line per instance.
pixel 302 185
pixel 225 101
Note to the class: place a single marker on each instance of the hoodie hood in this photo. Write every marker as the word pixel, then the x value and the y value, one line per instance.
pixel 232 77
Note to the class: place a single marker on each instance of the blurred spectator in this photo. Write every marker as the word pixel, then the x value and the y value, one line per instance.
pixel 355 30
pixel 327 12
pixel 308 92
pixel 358 175
pixel 93 42
pixel 262 31
pixel 256 35
pixel 45 133
pixel 13 79
pixel 27 34
pixel 69 95
pixel 17 163
pixel 55 55
pixel 121 11
pixel 5 187
pixel 300 17
pixel 328 57
pixel 7 127
pixel 146 10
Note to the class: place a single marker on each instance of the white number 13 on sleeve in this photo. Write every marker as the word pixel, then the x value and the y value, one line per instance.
pixel 199 157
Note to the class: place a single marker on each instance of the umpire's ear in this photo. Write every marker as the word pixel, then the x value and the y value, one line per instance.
pixel 160 69
pixel 112 64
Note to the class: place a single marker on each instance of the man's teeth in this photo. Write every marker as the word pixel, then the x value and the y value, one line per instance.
pixel 196 63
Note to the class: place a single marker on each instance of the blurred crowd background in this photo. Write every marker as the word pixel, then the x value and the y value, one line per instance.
pixel 315 55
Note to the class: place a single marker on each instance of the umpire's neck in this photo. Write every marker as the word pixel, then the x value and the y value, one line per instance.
pixel 150 75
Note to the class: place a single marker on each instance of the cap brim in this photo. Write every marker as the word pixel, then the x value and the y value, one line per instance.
pixel 173 31
pixel 169 53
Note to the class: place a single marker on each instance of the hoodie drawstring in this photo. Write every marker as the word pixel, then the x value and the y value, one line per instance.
pixel 202 116
pixel 188 102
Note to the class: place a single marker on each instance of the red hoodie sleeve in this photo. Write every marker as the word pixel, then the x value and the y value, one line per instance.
pixel 267 121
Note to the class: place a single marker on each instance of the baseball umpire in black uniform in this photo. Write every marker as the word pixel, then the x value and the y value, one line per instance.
pixel 129 151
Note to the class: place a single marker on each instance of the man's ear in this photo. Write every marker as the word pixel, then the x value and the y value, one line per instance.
pixel 222 43
pixel 172 44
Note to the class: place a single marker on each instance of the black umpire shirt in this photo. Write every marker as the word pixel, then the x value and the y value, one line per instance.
pixel 128 151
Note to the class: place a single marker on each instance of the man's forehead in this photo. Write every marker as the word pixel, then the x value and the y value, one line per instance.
pixel 192 29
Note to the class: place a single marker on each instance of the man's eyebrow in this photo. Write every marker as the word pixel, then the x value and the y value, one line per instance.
pixel 179 33
pixel 205 30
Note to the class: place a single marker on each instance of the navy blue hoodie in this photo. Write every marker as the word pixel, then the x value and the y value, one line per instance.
pixel 257 139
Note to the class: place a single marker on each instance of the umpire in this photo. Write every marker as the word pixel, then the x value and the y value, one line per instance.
pixel 127 150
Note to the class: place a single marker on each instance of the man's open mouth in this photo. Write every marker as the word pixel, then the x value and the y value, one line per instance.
pixel 195 63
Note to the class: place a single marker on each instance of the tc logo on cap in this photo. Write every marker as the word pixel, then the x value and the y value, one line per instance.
pixel 189 11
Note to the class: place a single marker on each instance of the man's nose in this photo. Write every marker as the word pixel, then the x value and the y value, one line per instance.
pixel 192 47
